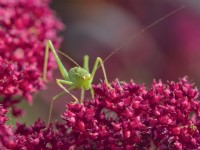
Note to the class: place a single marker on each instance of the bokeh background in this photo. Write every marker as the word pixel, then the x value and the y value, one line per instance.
pixel 167 51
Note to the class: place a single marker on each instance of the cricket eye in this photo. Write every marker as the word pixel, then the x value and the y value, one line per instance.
pixel 83 77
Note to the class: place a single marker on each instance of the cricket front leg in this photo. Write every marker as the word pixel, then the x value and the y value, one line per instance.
pixel 92 92
pixel 59 82
pixel 82 95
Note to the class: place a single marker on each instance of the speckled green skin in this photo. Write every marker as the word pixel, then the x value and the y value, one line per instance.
pixel 80 78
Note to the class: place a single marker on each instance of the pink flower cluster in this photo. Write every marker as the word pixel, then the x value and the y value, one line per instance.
pixel 132 117
pixel 6 134
pixel 174 115
pixel 25 25
pixel 126 117
pixel 37 136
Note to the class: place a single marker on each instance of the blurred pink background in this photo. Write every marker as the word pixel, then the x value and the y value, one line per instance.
pixel 167 51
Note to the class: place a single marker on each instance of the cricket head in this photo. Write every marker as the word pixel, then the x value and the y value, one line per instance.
pixel 80 77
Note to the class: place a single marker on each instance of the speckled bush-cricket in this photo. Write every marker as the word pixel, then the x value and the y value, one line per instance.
pixel 80 77
pixel 76 78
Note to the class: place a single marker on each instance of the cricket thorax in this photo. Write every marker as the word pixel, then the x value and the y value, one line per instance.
pixel 80 77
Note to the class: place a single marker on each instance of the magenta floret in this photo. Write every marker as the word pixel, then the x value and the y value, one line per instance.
pixel 40 136
pixel 110 121
pixel 6 132
pixel 126 117
pixel 25 25
pixel 174 117
pixel 130 116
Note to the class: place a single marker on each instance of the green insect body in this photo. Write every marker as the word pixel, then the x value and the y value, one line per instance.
pixel 81 78
pixel 76 78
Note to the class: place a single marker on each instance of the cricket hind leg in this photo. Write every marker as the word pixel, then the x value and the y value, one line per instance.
pixel 97 62
pixel 86 67
pixel 61 67
pixel 86 63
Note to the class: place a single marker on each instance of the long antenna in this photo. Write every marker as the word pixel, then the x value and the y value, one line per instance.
pixel 143 30
pixel 68 57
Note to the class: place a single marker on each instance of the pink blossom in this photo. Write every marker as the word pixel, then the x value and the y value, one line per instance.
pixel 25 27
pixel 130 116
pixel 166 116
pixel 6 133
